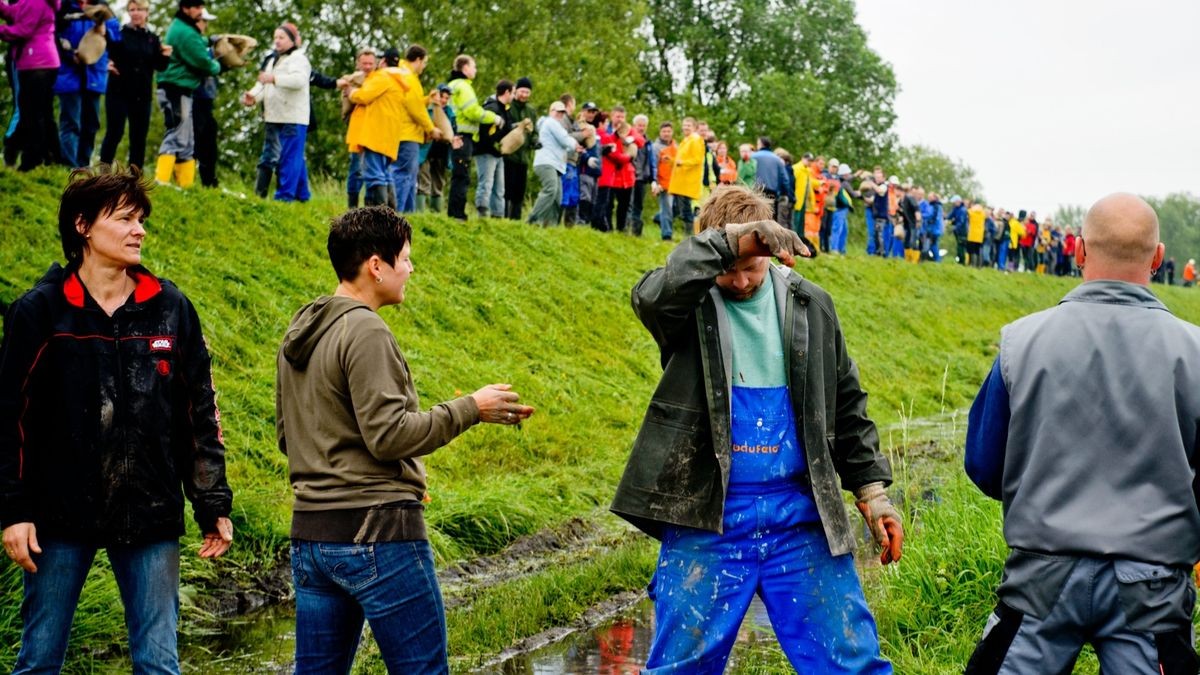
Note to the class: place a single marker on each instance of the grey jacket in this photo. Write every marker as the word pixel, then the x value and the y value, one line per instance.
pixel 1101 456
pixel 678 469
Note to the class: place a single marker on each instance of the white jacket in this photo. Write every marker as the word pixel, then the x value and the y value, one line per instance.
pixel 285 101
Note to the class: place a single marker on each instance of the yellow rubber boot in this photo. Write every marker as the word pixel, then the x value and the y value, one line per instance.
pixel 185 173
pixel 162 172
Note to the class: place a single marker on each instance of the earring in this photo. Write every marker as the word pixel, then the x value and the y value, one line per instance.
pixel 379 280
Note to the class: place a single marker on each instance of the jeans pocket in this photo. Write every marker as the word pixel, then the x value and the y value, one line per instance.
pixel 299 573
pixel 1155 598
pixel 350 566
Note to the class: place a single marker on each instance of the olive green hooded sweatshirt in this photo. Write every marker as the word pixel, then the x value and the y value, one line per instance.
pixel 348 419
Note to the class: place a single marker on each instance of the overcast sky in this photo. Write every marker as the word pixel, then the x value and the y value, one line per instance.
pixel 1050 101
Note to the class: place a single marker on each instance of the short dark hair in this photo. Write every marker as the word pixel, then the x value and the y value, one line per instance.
pixel 358 234
pixel 95 192
pixel 666 125
pixel 415 53
pixel 618 108
pixel 765 142
pixel 462 60
pixel 503 87
pixel 567 99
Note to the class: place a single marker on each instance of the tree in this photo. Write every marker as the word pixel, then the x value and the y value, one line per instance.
pixel 735 55
pixel 937 172
pixel 1179 224
pixel 1070 215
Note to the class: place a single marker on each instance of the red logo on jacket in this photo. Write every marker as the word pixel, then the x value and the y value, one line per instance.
pixel 163 367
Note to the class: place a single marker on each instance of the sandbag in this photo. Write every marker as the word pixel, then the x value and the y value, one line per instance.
pixel 99 12
pixel 586 135
pixel 356 79
pixel 442 121
pixel 516 138
pixel 625 131
pixel 231 50
pixel 92 45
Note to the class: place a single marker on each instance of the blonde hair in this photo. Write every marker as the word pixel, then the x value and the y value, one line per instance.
pixel 733 204
pixel 144 4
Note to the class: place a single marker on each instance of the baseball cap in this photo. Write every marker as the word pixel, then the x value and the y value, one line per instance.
pixel 444 88
pixel 590 106
pixel 207 15
pixel 558 106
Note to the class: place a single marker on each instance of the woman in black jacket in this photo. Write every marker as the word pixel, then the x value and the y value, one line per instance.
pixel 132 62
pixel 108 419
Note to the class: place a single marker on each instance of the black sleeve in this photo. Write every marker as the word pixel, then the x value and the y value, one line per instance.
pixel 24 338
pixel 205 486
pixel 322 81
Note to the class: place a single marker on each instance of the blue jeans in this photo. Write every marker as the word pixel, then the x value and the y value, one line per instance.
pixel 148 578
pixel 293 169
pixel 839 231
pixel 665 214
pixel 403 172
pixel 489 192
pixel 272 146
pixel 872 241
pixel 391 585
pixel 704 583
pixel 78 122
pixel 354 178
pixel 684 206
pixel 375 168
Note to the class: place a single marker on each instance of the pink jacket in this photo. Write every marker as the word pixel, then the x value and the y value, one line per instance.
pixel 31 32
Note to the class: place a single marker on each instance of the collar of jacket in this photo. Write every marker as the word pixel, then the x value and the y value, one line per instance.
pixel 1112 292
pixel 146 286
pixel 784 282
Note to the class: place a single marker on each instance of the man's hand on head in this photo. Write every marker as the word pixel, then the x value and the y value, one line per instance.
pixel 765 238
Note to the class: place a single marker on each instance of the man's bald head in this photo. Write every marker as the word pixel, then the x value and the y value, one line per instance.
pixel 1121 229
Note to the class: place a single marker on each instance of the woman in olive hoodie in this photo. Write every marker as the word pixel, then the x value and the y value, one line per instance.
pixel 349 421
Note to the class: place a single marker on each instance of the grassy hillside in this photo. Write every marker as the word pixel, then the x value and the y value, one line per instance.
pixel 544 310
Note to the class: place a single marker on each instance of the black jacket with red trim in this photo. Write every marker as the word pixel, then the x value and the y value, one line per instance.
pixel 106 423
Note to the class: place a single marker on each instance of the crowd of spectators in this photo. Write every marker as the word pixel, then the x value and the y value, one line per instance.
pixel 602 167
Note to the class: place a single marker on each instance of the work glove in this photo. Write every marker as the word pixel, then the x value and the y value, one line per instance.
pixel 883 519
pixel 765 237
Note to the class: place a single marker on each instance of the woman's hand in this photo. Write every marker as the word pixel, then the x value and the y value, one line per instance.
pixel 498 405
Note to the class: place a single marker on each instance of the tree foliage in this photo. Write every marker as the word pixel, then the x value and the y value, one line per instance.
pixel 1179 224
pixel 804 62
pixel 935 171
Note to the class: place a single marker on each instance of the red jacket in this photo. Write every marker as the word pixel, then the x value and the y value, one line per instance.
pixel 616 169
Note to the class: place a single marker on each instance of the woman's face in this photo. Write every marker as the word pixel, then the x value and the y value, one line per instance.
pixel 395 277
pixel 138 15
pixel 115 239
pixel 282 41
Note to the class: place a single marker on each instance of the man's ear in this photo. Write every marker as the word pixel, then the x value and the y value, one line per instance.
pixel 1159 252
pixel 1080 254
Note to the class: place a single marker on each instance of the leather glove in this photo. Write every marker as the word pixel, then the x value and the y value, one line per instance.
pixel 768 237
pixel 883 519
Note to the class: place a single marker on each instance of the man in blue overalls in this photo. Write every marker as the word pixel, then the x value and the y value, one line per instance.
pixel 745 499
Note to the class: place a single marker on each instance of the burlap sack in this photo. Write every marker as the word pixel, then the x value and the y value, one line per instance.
pixel 356 80
pixel 99 13
pixel 586 135
pixel 516 138
pixel 91 45
pixel 624 131
pixel 441 121
pixel 231 50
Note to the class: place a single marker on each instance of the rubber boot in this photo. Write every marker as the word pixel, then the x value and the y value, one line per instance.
pixel 263 182
pixel 390 190
pixel 419 207
pixel 375 195
pixel 482 211
pixel 164 169
pixel 185 173
pixel 352 200
pixel 435 204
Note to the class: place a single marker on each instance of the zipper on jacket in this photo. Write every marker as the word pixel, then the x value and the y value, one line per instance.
pixel 119 414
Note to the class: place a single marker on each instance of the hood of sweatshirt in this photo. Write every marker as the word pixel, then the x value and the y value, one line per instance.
pixel 311 323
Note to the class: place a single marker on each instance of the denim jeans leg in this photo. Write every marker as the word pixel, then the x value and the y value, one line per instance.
pixel 272 146
pixel 665 214
pixel 49 604
pixel 496 200
pixel 68 125
pixel 148 578
pixel 374 168
pixel 404 176
pixel 89 124
pixel 328 619
pixel 354 180
pixel 484 176
pixel 403 604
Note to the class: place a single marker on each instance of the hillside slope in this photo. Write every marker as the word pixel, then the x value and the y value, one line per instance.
pixel 543 309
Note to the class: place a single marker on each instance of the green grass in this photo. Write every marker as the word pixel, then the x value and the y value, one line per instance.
pixel 492 301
